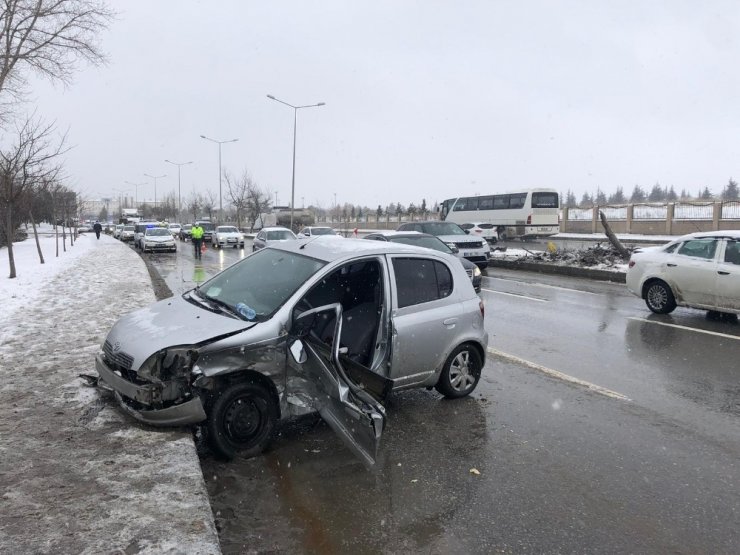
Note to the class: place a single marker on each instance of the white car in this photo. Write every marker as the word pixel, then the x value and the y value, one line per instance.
pixel 481 229
pixel 227 236
pixel 700 270
pixel 117 231
pixel 127 233
pixel 174 229
pixel 311 231
pixel 158 239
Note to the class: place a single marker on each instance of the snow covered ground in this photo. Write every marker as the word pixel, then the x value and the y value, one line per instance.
pixel 31 274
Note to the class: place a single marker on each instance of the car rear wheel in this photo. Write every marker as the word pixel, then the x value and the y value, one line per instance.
pixel 659 297
pixel 460 373
pixel 242 420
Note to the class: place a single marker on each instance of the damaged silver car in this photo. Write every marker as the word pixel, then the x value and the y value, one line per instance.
pixel 318 325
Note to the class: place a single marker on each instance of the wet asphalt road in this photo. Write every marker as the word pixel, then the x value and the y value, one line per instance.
pixel 597 427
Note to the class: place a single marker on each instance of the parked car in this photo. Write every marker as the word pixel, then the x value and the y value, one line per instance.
pixel 185 231
pixel 326 326
pixel 474 249
pixel 174 229
pixel 313 231
pixel 700 270
pixel 127 233
pixel 158 239
pixel 481 229
pixel 269 235
pixel 429 242
pixel 227 236
pixel 117 231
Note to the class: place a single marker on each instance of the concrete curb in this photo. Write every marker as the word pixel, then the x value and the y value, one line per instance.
pixel 570 271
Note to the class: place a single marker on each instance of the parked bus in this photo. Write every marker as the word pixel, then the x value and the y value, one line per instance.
pixel 524 214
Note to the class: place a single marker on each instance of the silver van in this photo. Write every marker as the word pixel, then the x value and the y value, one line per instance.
pixel 317 325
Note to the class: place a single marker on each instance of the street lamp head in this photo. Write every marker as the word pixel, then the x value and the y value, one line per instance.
pixel 203 137
pixel 321 104
pixel 272 97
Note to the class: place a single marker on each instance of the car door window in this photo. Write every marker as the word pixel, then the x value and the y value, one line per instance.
pixel 419 280
pixel 732 252
pixel 699 248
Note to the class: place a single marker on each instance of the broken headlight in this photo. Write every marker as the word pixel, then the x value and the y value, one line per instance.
pixel 168 364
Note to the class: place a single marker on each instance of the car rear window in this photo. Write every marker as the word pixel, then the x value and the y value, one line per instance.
pixel 419 280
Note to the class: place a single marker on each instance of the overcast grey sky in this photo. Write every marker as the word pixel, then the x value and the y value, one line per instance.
pixel 423 99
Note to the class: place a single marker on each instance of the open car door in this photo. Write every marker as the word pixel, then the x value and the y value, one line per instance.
pixel 346 395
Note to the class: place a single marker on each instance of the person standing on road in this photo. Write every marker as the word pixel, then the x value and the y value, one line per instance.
pixel 97 228
pixel 196 234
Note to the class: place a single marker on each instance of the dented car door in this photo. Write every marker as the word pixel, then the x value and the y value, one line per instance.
pixel 346 395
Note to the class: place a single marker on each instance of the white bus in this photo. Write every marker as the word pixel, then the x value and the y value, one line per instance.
pixel 525 214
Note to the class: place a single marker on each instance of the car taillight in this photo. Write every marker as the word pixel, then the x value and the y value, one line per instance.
pixel 631 263
pixel 529 219
pixel 482 309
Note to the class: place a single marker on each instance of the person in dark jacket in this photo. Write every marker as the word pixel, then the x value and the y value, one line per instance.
pixel 97 228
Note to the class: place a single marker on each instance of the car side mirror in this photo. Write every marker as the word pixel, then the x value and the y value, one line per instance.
pixel 454 249
pixel 298 352
pixel 467 232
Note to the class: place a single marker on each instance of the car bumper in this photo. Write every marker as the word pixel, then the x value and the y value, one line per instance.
pixel 183 414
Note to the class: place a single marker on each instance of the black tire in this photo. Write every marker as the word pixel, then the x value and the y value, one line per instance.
pixel 659 297
pixel 461 372
pixel 242 420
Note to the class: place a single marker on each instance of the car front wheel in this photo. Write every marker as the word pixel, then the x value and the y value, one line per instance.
pixel 242 420
pixel 659 298
pixel 460 373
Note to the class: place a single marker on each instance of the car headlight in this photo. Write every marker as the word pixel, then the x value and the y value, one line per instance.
pixel 167 364
pixel 476 271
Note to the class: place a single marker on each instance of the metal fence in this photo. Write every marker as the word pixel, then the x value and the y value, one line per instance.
pixel 693 211
pixel 649 212
pixel 730 210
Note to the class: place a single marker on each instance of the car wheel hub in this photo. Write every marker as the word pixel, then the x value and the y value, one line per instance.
pixel 657 297
pixel 461 377
pixel 243 420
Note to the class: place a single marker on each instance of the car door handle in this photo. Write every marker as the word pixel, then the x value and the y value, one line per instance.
pixel 723 273
pixel 671 265
pixel 450 322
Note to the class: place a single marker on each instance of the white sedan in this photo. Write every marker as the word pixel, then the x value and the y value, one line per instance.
pixel 227 236
pixel 700 270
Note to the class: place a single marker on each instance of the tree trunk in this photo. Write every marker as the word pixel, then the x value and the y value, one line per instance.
pixel 36 236
pixel 9 233
pixel 613 238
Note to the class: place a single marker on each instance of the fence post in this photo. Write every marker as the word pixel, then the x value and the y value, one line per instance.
pixel 670 210
pixel 564 222
pixel 716 213
pixel 630 215
pixel 594 218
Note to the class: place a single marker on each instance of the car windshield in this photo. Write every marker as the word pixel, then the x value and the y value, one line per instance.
pixel 187 226
pixel 322 231
pixel 174 226
pixel 128 228
pixel 207 226
pixel 279 235
pixel 227 229
pixel 442 228
pixel 261 283
pixel 426 242
pixel 157 231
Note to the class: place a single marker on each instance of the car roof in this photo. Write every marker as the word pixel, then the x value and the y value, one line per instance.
pixel 329 250
pixel 275 228
pixel 727 233
pixel 394 233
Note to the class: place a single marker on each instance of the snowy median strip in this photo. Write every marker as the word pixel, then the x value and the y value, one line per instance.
pixel 559 375
pixel 687 328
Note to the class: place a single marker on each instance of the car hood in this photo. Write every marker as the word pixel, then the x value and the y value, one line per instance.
pixel 169 323
pixel 459 239
pixel 158 238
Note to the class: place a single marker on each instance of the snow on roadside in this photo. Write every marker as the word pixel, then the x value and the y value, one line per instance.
pixel 31 274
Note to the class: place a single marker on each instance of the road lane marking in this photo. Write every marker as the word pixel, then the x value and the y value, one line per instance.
pixel 544 285
pixel 558 375
pixel 718 334
pixel 516 295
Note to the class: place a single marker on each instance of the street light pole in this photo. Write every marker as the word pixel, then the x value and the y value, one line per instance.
pixel 295 122
pixel 155 177
pixel 179 198
pixel 219 143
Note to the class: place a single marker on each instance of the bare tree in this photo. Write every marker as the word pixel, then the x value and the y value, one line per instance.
pixel 194 203
pixel 208 203
pixel 240 191
pixel 47 37
pixel 31 160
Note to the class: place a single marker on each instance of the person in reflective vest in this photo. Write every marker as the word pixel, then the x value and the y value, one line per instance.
pixel 197 237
